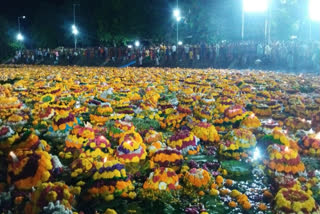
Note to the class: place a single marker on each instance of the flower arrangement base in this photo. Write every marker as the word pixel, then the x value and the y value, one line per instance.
pixel 237 169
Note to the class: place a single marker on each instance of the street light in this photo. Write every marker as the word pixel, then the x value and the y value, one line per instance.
pixel 74 30
pixel 253 6
pixel 19 35
pixel 137 43
pixel 180 43
pixel 176 12
pixel 314 14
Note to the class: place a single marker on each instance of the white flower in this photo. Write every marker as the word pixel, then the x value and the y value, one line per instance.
pixel 162 186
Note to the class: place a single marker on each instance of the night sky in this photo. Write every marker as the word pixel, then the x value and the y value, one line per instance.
pixel 100 21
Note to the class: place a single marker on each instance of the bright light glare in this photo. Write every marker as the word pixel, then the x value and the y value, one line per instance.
pixel 314 8
pixel 137 43
pixel 256 154
pixel 255 5
pixel 178 18
pixel 180 43
pixel 176 13
pixel 20 37
pixel 129 46
pixel 75 30
pixel 23 17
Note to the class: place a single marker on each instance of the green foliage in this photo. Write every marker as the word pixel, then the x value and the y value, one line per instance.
pixel 8 46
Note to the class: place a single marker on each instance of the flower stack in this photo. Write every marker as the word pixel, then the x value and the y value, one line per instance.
pixel 76 140
pixel 104 110
pixel 51 192
pixel 174 121
pixel 162 179
pixel 278 136
pixel 167 157
pixel 98 147
pixel 7 137
pixel 42 113
pixel 236 142
pixel 123 107
pixel 120 127
pixel 110 180
pixel 9 105
pixel 30 142
pixel 63 121
pixel 199 178
pixel 131 148
pixel 283 159
pixel 100 113
pixel 206 132
pixel 250 122
pixel 17 121
pixel 262 110
pixel 82 167
pixel 294 200
pixel 184 141
pixel 203 113
pixel 152 136
pixel 27 169
pixel 296 123
pixel 310 145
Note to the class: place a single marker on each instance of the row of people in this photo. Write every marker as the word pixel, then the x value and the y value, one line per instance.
pixel 289 55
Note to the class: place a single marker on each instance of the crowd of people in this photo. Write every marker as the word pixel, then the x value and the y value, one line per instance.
pixel 286 55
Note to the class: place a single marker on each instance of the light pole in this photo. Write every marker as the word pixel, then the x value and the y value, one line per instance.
pixel 253 6
pixel 177 15
pixel 19 35
pixel 75 31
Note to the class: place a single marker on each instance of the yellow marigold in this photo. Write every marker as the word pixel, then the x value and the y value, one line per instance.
pixel 246 205
pixel 224 191
pixel 132 195
pixel 110 211
pixel 214 192
pixel 219 180
pixel 229 182
pixel 262 207
pixel 232 204
pixel 201 193
pixel 235 193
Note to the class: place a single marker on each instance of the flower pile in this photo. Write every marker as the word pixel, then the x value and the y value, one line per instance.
pixel 143 140
pixel 52 192
pixel 294 201
pixel 284 159
pixel 27 169
pixel 199 178
pixel 131 148
pixel 206 132
pixel 184 141
pixel 310 145
pixel 163 179
pixel 110 180
pixel 236 142
pixel 167 157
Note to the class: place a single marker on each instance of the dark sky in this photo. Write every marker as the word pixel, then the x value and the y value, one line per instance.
pixel 48 21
